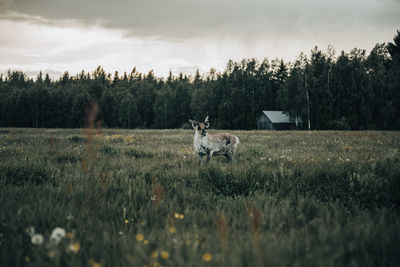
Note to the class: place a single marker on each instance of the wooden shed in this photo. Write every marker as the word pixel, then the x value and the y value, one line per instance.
pixel 274 120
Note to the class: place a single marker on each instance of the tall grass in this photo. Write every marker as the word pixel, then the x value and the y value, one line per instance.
pixel 139 198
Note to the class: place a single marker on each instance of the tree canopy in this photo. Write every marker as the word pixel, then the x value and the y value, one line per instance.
pixel 351 90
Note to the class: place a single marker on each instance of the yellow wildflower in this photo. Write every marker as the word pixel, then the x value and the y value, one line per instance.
pixel 181 216
pixel 176 215
pixel 126 221
pixel 50 254
pixel 94 263
pixel 164 255
pixel 154 254
pixel 139 237
pixel 70 235
pixel 207 257
pixel 74 247
pixel 172 229
pixel 146 242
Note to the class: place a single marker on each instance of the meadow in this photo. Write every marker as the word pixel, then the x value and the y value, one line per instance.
pixel 140 198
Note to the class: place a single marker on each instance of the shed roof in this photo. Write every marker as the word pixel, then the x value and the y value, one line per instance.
pixel 277 116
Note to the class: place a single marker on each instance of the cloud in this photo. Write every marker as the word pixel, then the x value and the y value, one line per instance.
pixel 239 19
pixel 31 47
pixel 182 35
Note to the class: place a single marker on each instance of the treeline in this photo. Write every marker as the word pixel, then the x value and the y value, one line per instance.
pixel 347 91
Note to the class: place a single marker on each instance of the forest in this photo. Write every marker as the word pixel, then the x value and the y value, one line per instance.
pixel 345 91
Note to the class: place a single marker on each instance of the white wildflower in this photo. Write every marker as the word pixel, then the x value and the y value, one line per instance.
pixel 30 231
pixel 37 239
pixel 57 235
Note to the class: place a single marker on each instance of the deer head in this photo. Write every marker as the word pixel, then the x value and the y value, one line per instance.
pixel 200 126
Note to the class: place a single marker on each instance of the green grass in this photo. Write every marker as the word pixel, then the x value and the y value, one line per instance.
pixel 292 199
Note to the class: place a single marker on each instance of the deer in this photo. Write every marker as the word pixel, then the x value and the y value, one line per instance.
pixel 206 144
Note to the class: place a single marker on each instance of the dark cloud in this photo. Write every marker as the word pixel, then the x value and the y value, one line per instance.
pixel 182 35
pixel 177 19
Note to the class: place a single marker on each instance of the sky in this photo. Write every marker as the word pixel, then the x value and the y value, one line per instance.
pixel 55 36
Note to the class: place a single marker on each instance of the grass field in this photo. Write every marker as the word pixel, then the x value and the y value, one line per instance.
pixel 139 198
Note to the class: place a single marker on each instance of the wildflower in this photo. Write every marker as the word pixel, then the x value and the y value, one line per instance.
pixel 57 235
pixel 139 237
pixel 178 216
pixel 172 229
pixel 70 235
pixel 126 221
pixel 30 231
pixel 164 255
pixel 50 254
pixel 37 239
pixel 74 247
pixel 207 257
pixel 27 259
pixel 154 254
pixel 94 263
pixel 146 242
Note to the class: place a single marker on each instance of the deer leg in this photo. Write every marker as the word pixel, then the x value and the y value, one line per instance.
pixel 233 158
pixel 209 155
pixel 229 156
pixel 201 159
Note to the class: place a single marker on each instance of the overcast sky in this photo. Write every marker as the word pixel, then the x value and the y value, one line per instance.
pixel 182 35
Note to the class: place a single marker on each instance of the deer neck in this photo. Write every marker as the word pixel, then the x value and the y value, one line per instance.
pixel 199 139
pixel 198 135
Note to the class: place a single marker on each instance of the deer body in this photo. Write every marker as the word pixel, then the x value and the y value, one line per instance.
pixel 213 144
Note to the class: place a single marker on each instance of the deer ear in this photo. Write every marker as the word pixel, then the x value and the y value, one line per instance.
pixel 194 123
pixel 206 120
